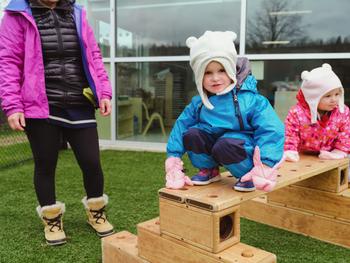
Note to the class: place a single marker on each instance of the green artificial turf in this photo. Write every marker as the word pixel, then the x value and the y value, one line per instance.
pixel 131 181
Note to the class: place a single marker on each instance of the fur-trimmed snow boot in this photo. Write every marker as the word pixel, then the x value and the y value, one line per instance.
pixel 95 210
pixel 51 215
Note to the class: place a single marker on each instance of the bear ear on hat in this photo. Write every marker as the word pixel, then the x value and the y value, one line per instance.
pixel 232 35
pixel 305 74
pixel 326 66
pixel 190 41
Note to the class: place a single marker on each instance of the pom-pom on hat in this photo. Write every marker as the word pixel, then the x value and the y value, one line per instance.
pixel 212 46
pixel 316 83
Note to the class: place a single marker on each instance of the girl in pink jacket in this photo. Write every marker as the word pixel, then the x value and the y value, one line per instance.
pixel 51 80
pixel 320 121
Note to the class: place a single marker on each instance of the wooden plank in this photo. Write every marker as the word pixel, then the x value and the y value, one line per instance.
pixel 220 195
pixel 181 194
pixel 326 229
pixel 335 180
pixel 120 248
pixel 315 201
pixel 158 248
pixel 211 231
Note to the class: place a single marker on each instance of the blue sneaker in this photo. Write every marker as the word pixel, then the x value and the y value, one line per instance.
pixel 206 176
pixel 244 186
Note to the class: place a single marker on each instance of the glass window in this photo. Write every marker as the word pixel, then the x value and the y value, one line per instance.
pixel 308 26
pixel 98 13
pixel 279 80
pixel 160 28
pixel 150 95
pixel 104 123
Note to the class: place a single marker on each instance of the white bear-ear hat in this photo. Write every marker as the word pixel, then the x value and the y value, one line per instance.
pixel 316 83
pixel 213 46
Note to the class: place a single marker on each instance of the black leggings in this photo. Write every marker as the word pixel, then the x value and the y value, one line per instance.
pixel 45 140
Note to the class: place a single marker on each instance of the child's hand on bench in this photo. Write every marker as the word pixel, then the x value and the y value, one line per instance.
pixel 333 155
pixel 263 177
pixel 175 177
pixel 291 156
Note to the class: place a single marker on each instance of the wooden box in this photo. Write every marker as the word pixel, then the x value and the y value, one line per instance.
pixel 335 180
pixel 211 231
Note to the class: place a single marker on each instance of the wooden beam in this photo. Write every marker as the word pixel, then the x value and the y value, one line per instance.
pixel 328 204
pixel 323 228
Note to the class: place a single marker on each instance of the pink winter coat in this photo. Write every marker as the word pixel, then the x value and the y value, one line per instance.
pixel 329 133
pixel 22 80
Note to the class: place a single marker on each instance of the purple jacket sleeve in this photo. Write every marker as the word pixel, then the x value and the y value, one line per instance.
pixel 11 63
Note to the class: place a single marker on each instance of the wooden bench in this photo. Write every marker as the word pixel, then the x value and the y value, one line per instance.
pixel 202 223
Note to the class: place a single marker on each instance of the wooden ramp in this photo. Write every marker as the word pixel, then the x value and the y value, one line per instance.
pixel 202 223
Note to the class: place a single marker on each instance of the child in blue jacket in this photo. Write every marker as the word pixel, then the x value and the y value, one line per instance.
pixel 222 126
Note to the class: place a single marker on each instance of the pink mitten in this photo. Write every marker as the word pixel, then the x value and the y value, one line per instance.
pixel 333 155
pixel 175 177
pixel 172 163
pixel 263 177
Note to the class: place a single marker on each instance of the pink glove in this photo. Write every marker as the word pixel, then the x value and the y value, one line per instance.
pixel 333 155
pixel 291 156
pixel 175 177
pixel 263 177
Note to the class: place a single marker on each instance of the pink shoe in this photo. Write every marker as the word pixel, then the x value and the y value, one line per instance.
pixel 206 176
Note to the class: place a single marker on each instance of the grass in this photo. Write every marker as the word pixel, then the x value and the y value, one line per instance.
pixel 131 181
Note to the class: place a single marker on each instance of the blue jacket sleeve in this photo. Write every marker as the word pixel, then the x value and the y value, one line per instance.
pixel 268 130
pixel 187 119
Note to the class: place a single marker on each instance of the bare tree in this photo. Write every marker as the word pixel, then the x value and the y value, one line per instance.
pixel 274 22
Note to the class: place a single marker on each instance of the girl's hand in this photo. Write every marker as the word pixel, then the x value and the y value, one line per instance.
pixel 16 121
pixel 105 107
pixel 291 156
pixel 333 155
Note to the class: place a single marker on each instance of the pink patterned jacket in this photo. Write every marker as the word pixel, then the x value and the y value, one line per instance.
pixel 329 133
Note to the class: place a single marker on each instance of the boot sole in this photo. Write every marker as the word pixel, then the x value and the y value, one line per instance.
pixel 105 234
pixel 101 234
pixel 56 242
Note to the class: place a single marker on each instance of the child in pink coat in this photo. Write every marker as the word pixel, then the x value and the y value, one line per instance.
pixel 320 121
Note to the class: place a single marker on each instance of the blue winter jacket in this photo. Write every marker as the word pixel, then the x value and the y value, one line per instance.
pixel 259 121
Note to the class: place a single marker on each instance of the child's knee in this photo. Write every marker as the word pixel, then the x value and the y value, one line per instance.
pixel 197 141
pixel 229 150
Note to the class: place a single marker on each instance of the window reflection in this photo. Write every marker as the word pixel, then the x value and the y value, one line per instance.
pixel 283 26
pixel 279 80
pixel 160 28
pixel 98 13
pixel 161 89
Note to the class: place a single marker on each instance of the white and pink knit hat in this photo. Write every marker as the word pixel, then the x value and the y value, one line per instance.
pixel 213 46
pixel 316 83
